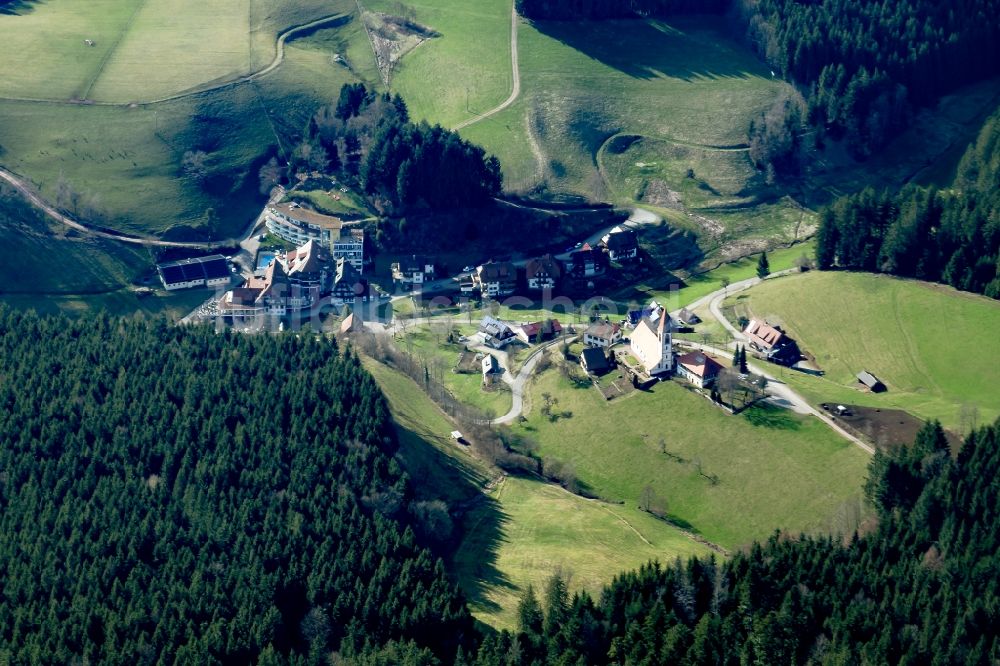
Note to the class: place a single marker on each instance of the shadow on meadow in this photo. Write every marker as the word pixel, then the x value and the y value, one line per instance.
pixel 652 49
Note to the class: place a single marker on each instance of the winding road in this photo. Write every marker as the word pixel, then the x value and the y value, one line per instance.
pixel 25 190
pixel 515 72
pixel 780 393
pixel 517 384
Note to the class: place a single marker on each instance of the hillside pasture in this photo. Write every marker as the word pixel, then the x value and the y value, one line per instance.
pixel 522 531
pixel 615 449
pixel 142 51
pixel 683 82
pixel 934 347
pixel 127 162
pixel 465 69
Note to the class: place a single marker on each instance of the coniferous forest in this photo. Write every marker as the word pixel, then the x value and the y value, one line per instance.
pixel 181 495
pixel 863 67
pixel 176 495
pixel 950 236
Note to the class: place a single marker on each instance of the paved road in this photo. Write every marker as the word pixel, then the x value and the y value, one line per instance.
pixel 515 72
pixel 780 393
pixel 517 384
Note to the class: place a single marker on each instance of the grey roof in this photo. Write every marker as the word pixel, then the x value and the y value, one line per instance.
pixel 868 379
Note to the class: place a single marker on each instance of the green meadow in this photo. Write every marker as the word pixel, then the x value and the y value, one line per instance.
pixel 615 449
pixel 935 348
pixel 522 531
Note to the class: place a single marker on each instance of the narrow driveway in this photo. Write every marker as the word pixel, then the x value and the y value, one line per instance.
pixel 780 393
pixel 519 383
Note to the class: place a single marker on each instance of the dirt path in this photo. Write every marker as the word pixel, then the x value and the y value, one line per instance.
pixel 515 71
pixel 279 58
pixel 25 190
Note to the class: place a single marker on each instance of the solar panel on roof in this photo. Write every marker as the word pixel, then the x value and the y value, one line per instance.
pixel 191 270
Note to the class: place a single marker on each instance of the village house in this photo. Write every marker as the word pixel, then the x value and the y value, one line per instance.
pixel 538 331
pixel 495 333
pixel 652 343
pixel 543 273
pixel 209 271
pixel 295 224
pixel 413 271
pixel 491 370
pixel 698 368
pixel 602 334
pixel 622 244
pixel 772 342
pixel 496 279
pixel 348 285
pixel 633 317
pixel 595 361
pixel 271 294
pixel 587 262
pixel 353 323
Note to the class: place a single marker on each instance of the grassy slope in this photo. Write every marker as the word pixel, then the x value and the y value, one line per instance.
pixel 129 159
pixel 545 529
pixel 465 70
pixel 524 530
pixel 935 348
pixel 438 353
pixel 49 270
pixel 172 46
pixel 44 52
pixel 615 450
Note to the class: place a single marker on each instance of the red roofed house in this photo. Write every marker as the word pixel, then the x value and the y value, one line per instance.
pixel 772 341
pixel 698 368
pixel 528 333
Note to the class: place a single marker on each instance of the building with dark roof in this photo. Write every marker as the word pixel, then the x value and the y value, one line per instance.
pixel 542 273
pixel 594 361
pixel 208 271
pixel 623 245
pixel 871 382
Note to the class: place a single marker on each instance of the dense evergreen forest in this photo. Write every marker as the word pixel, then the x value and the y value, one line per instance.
pixel 863 66
pixel 403 167
pixel 176 495
pixel 950 236
pixel 922 588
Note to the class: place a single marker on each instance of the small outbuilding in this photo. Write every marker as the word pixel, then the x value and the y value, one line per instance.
pixel 871 382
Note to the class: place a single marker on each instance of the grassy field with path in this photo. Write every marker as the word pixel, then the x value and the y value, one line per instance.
pixel 934 347
pixel 523 531
pixel 616 452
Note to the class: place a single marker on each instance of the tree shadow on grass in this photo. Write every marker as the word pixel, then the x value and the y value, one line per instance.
pixel 17 7
pixel 764 415
pixel 474 563
pixel 472 552
pixel 651 49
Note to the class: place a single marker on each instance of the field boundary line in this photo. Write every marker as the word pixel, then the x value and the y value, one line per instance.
pixel 114 47
pixel 197 90
pixel 515 71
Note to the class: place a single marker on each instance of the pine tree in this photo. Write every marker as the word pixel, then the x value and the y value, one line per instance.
pixel 763 266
